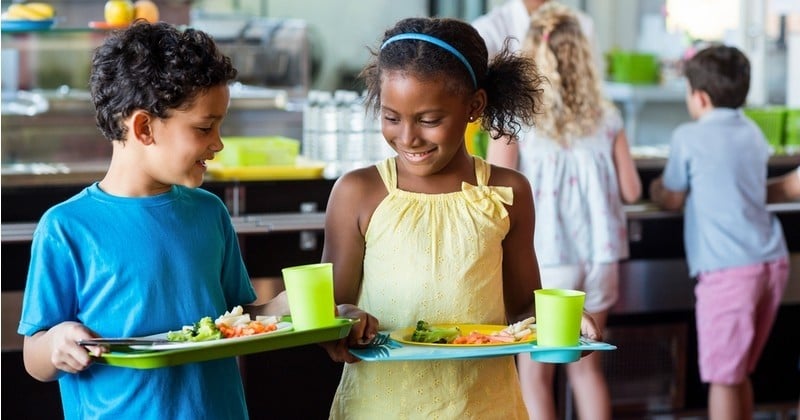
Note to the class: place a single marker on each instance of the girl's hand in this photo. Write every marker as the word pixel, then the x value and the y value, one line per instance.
pixel 360 334
pixel 589 329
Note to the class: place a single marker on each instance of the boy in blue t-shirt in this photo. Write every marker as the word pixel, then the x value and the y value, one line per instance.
pixel 144 250
pixel 717 172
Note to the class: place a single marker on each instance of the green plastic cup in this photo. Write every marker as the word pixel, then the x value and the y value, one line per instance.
pixel 310 292
pixel 558 317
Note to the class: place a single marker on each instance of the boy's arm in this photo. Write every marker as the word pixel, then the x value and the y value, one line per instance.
pixel 784 188
pixel 664 198
pixel 46 354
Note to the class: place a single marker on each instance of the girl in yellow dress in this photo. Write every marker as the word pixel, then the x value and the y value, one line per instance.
pixel 434 233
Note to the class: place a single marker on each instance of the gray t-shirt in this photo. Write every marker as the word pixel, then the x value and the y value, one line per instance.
pixel 720 162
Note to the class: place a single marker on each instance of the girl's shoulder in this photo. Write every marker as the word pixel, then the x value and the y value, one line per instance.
pixel 361 185
pixel 502 176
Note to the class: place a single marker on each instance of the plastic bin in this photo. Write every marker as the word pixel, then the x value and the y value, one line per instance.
pixel 633 67
pixel 791 137
pixel 772 121
pixel 258 151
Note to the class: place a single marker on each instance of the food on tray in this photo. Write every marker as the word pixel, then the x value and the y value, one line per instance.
pixel 233 323
pixel 514 333
pixel 426 333
pixel 202 330
pixel 236 323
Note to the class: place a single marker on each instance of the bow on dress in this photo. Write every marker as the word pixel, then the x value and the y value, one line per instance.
pixel 489 199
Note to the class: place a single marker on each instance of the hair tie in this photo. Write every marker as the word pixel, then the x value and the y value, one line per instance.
pixel 546 36
pixel 435 41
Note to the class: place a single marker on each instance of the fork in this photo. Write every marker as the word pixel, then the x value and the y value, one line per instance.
pixel 380 339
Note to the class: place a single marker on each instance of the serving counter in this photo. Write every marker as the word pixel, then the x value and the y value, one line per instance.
pixel 280 224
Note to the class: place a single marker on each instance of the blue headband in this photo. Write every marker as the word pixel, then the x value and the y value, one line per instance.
pixel 435 41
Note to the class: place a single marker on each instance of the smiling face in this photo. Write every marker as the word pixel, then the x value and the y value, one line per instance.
pixel 424 122
pixel 182 143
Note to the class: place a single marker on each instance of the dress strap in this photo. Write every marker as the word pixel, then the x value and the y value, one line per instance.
pixel 388 171
pixel 482 171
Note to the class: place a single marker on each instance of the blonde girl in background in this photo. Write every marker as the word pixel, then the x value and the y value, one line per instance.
pixel 578 162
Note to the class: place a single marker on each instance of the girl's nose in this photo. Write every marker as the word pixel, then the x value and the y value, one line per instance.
pixel 407 133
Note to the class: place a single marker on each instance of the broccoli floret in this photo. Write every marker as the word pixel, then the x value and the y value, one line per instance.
pixel 426 333
pixel 203 330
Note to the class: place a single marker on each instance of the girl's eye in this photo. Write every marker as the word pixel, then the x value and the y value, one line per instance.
pixel 204 129
pixel 429 122
pixel 390 118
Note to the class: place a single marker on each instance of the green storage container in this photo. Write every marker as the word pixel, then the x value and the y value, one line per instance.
pixel 772 121
pixel 633 67
pixel 791 132
pixel 258 151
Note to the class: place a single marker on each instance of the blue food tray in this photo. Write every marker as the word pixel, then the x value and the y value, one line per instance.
pixel 394 351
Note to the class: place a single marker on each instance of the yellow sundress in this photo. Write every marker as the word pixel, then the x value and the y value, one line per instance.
pixel 438 258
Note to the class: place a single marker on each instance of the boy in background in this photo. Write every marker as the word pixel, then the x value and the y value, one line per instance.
pixel 717 172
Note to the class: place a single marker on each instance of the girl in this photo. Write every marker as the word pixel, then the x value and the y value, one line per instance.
pixel 581 170
pixel 433 233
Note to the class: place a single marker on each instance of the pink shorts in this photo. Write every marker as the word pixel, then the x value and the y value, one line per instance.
pixel 735 310
pixel 600 281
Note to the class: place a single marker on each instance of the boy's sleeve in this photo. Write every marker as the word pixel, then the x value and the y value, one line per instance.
pixel 49 297
pixel 676 170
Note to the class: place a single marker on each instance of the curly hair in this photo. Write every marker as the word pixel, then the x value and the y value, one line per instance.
pixel 512 83
pixel 722 72
pixel 573 95
pixel 152 67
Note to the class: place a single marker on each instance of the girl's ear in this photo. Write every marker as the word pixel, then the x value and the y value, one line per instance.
pixel 142 127
pixel 477 104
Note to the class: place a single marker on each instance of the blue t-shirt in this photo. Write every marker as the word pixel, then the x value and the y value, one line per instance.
pixel 721 161
pixel 137 266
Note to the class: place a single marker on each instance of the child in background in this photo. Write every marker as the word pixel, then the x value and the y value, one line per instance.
pixel 717 172
pixel 144 250
pixel 433 233
pixel 579 165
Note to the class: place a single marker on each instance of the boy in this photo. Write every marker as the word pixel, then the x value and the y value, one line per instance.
pixel 717 172
pixel 144 251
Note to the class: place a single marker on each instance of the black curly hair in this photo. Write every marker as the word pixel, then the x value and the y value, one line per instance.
pixel 512 83
pixel 154 67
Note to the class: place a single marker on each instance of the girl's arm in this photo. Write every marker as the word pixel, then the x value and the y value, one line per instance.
pixel 630 186
pixel 500 152
pixel 350 205
pixel 520 266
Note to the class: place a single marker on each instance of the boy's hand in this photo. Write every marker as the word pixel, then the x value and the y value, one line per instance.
pixel 65 354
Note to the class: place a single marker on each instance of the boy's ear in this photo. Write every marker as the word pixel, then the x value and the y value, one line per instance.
pixel 703 99
pixel 142 127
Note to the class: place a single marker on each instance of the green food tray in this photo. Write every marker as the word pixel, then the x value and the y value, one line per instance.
pixel 149 359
